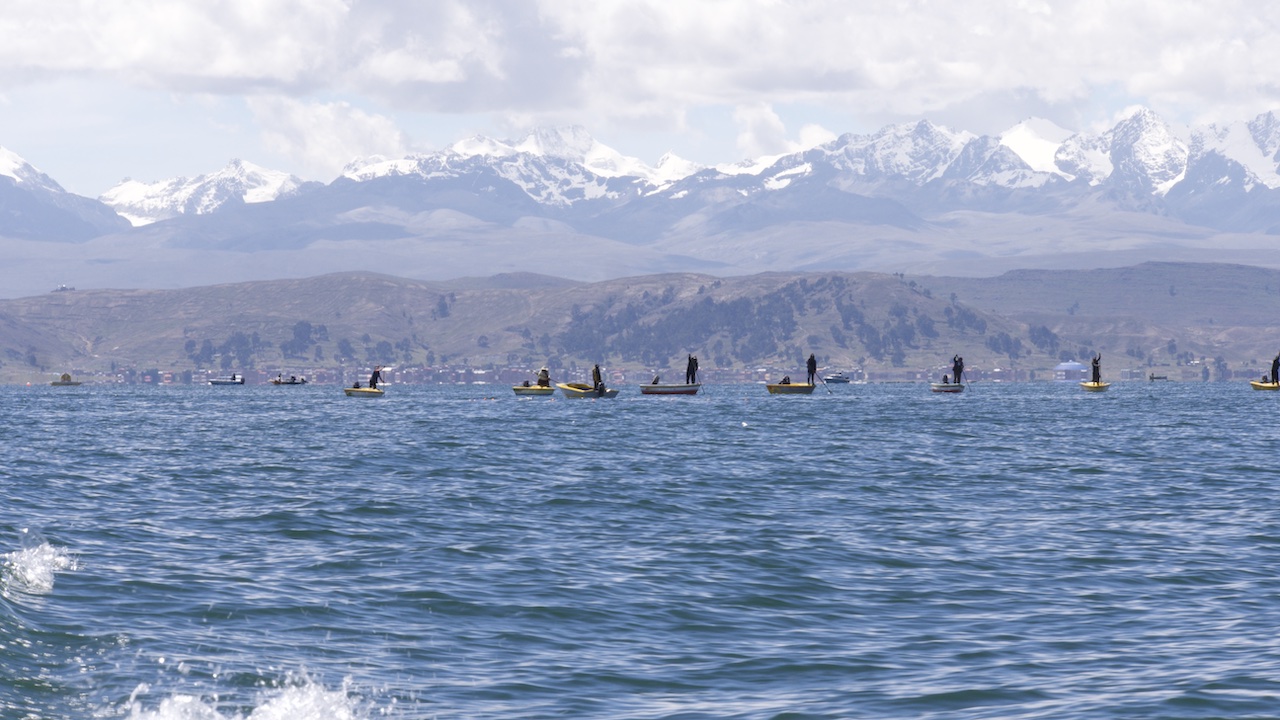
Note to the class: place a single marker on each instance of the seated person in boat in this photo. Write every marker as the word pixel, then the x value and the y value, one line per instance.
pixel 945 379
pixel 786 380
pixel 656 380
pixel 544 378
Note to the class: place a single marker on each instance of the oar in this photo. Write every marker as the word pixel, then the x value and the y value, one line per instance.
pixel 825 385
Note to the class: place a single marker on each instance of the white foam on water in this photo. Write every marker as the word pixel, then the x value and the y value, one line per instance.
pixel 305 700
pixel 32 569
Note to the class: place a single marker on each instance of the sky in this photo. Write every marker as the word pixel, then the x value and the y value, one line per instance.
pixel 93 92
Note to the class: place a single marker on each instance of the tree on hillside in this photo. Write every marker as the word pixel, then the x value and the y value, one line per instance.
pixel 346 351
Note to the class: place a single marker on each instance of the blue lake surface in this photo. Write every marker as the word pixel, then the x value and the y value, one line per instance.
pixel 1017 551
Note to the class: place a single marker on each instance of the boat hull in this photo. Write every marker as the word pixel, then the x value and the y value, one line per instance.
pixel 670 389
pixel 946 387
pixel 1259 385
pixel 534 390
pixel 226 382
pixel 583 390
pixel 1091 386
pixel 363 392
pixel 790 388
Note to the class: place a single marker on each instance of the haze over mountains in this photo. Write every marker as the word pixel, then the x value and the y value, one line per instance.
pixel 915 197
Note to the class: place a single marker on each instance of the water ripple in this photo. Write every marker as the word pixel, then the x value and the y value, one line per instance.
pixel 1021 551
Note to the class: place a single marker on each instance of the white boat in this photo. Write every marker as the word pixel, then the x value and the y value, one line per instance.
pixel 673 389
pixel 583 390
pixel 837 378
pixel 946 387
pixel 233 380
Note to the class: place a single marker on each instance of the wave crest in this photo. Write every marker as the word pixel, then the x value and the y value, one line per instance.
pixel 32 569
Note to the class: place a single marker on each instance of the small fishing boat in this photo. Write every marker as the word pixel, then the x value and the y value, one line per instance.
pixel 837 378
pixel 233 380
pixel 291 380
pixel 673 389
pixel 1091 386
pixel 1262 385
pixel 947 387
pixel 790 388
pixel 363 392
pixel 65 380
pixel 534 390
pixel 583 390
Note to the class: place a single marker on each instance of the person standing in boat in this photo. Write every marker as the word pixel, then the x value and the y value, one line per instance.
pixel 1275 369
pixel 957 368
pixel 375 378
pixel 1096 365
pixel 691 371
pixel 597 380
pixel 812 365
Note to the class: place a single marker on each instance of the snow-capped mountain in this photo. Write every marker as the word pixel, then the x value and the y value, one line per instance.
pixel 24 173
pixel 921 167
pixel 1036 141
pixel 554 166
pixel 904 196
pixel 35 207
pixel 239 182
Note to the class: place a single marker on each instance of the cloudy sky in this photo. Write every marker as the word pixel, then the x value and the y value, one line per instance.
pixel 91 92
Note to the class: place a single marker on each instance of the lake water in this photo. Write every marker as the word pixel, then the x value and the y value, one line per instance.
pixel 1018 551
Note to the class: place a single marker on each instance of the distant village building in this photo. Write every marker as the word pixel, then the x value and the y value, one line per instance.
pixel 1069 371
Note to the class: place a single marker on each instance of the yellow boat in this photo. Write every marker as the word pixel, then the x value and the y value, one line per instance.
pixel 539 390
pixel 363 392
pixel 1092 386
pixel 1259 385
pixel 790 388
pixel 583 390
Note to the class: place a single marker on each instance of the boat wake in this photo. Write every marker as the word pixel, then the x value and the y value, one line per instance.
pixel 32 569
pixel 300 699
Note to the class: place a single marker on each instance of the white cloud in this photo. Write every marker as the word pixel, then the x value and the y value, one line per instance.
pixel 602 56
pixel 716 72
pixel 762 132
pixel 323 137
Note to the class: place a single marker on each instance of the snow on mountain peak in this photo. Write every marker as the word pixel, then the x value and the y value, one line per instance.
pixel 1036 141
pixel 557 165
pixel 571 142
pixel 479 146
pixel 144 203
pixel 672 167
pixel 14 166
pixel 1253 145
pixel 11 163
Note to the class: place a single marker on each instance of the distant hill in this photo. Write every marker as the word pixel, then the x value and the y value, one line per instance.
pixel 1156 313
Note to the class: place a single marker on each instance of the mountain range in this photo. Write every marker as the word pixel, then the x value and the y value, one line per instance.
pixel 915 197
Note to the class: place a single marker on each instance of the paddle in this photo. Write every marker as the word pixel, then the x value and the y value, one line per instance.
pixel 825 385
